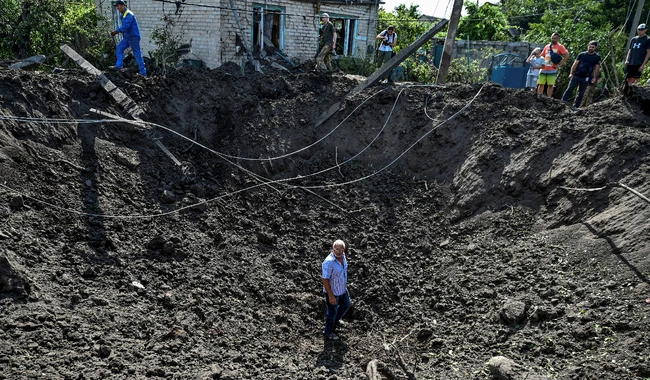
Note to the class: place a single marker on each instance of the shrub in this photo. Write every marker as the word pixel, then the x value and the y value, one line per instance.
pixel 356 66
pixel 167 40
pixel 30 28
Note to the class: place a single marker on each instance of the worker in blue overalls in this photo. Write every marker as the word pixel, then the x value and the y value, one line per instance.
pixel 130 38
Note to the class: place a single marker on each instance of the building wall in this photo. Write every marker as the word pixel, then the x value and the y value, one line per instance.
pixel 212 29
pixel 484 50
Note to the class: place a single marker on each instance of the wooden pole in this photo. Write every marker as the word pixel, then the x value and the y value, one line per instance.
pixel 386 68
pixel 449 41
pixel 635 23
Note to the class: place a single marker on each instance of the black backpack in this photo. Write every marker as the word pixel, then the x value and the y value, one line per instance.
pixel 555 57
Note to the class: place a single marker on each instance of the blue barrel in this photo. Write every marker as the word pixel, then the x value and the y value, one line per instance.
pixel 509 70
pixel 437 55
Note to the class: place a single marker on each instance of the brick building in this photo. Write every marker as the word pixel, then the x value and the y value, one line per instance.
pixel 288 26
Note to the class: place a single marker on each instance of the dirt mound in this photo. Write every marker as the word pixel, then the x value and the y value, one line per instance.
pixel 471 232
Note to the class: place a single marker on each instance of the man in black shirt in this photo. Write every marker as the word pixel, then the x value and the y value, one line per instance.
pixel 638 55
pixel 583 72
pixel 328 37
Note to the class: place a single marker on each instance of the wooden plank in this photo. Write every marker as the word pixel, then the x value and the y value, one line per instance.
pixel 120 97
pixel 123 99
pixel 399 58
pixel 143 126
pixel 385 69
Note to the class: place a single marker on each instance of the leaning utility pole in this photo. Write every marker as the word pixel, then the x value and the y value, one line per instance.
pixel 449 41
pixel 635 23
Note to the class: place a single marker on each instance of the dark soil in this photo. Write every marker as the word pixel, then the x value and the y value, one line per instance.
pixel 466 247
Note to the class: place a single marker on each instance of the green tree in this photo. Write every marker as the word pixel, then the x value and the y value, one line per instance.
pixel 597 14
pixel 577 22
pixel 167 39
pixel 521 13
pixel 406 23
pixel 31 27
pixel 408 28
pixel 484 23
pixel 9 18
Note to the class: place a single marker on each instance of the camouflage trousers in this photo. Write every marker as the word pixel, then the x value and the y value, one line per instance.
pixel 324 58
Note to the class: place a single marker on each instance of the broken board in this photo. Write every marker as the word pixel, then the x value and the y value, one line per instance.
pixel 120 97
pixel 131 107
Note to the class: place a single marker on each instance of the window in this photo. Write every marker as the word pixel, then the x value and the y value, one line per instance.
pixel 268 28
pixel 346 32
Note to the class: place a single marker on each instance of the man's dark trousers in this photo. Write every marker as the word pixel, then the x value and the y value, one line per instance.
pixel 579 82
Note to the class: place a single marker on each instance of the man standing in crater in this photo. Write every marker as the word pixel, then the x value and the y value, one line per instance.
pixel 335 282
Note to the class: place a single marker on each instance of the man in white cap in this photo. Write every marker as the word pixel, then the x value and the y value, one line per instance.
pixel 637 56
pixel 328 38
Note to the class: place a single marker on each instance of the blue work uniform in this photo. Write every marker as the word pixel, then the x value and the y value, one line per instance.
pixel 130 38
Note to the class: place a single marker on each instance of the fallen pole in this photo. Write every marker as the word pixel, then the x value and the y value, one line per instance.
pixel 120 97
pixel 144 126
pixel 131 107
pixel 375 77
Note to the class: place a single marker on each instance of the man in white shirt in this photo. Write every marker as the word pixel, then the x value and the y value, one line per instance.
pixel 335 282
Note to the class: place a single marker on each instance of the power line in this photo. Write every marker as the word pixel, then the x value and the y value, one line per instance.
pixel 92 121
pixel 268 183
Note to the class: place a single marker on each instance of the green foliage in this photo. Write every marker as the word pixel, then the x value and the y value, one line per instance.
pixel 356 66
pixel 484 23
pixel 86 31
pixel 577 22
pixel 9 19
pixel 404 19
pixel 521 13
pixel 417 71
pixel 40 27
pixel 167 39
pixel 460 72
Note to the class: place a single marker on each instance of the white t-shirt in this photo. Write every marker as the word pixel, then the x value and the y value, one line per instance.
pixel 391 39
pixel 539 61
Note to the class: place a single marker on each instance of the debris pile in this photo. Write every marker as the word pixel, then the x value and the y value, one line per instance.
pixel 468 211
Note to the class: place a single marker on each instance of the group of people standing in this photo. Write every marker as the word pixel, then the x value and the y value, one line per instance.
pixel 545 63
